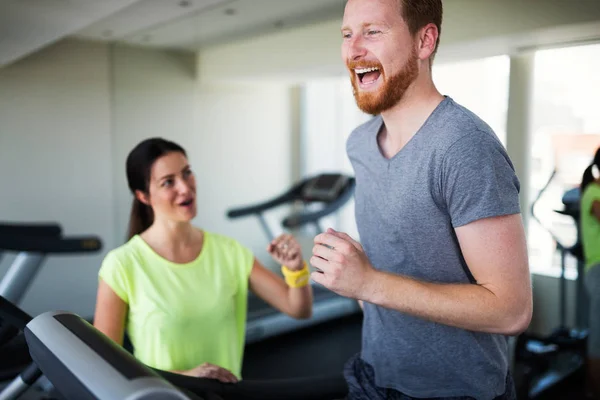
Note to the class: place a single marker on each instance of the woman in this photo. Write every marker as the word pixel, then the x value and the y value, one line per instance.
pixel 590 235
pixel 181 292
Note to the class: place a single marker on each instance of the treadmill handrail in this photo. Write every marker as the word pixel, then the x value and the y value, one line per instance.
pixel 295 193
pixel 286 197
pixel 49 229
pixel 50 245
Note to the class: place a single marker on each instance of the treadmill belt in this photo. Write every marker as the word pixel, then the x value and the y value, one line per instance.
pixel 265 321
pixel 258 308
pixel 318 350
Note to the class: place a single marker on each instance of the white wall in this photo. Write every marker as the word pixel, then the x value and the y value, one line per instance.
pixel 237 136
pixel 242 155
pixel 54 165
pixel 70 114
pixel 153 93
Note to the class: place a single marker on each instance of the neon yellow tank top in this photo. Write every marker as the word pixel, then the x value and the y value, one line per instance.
pixel 590 226
pixel 182 315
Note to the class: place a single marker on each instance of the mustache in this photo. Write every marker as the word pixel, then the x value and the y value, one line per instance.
pixel 363 64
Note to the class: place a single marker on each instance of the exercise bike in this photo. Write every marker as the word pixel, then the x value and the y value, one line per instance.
pixel 546 365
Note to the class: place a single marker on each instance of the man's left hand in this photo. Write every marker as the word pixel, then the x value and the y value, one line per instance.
pixel 345 268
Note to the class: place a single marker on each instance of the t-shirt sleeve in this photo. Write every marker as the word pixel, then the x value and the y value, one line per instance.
pixel 114 275
pixel 478 180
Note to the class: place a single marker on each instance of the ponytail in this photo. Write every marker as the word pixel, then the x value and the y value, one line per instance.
pixel 140 219
pixel 588 176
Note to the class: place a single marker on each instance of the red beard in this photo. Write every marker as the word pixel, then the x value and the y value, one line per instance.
pixel 392 89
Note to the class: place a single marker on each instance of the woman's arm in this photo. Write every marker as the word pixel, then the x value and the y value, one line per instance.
pixel 110 314
pixel 293 301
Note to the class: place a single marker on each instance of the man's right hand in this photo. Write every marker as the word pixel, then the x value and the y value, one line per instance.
pixel 211 371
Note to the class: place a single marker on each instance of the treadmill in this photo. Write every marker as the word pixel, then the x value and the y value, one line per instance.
pixel 316 197
pixel 29 229
pixel 32 242
pixel 81 363
pixel 14 356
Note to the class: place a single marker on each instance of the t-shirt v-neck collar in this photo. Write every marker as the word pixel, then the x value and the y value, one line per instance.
pixel 374 142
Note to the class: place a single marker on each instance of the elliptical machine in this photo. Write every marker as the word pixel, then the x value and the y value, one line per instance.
pixel 545 365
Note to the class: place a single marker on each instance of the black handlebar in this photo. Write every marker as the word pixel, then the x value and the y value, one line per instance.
pixel 50 245
pixel 258 208
pixel 31 229
pixel 286 197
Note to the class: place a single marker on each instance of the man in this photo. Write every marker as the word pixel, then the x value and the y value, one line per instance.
pixel 443 268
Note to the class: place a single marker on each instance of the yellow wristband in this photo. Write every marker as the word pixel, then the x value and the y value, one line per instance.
pixel 296 279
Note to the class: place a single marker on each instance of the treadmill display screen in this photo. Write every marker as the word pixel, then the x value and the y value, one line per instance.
pixel 326 182
pixel 325 187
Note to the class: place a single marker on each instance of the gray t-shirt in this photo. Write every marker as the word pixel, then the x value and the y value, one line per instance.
pixel 452 172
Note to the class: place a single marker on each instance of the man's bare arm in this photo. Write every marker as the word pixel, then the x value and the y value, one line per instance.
pixel 501 302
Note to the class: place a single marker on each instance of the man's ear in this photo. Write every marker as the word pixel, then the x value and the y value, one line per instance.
pixel 427 41
pixel 142 197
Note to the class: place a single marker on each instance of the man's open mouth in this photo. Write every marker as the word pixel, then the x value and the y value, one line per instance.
pixel 367 75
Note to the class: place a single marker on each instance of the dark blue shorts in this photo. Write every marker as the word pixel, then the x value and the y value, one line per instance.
pixel 360 377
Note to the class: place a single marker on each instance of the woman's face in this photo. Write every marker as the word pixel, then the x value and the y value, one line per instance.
pixel 172 188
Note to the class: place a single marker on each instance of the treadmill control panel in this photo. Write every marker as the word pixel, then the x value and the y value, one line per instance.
pixel 325 187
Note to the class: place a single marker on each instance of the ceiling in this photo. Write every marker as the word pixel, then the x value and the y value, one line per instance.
pixel 28 25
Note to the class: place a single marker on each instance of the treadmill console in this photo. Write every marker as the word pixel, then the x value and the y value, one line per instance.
pixel 325 187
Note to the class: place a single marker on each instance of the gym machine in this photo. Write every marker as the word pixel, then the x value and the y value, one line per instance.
pixel 33 243
pixel 82 363
pixel 316 197
pixel 548 364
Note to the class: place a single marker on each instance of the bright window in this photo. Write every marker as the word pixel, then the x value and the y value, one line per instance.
pixel 565 135
pixel 480 85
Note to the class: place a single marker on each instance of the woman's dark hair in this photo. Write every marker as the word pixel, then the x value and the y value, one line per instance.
pixel 139 164
pixel 588 176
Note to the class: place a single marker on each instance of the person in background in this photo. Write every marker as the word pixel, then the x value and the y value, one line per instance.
pixel 590 238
